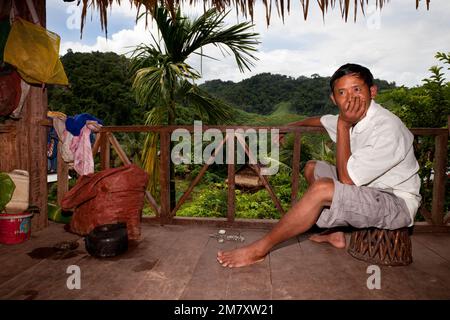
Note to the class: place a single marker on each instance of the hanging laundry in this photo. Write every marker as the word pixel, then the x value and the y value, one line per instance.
pixel 52 150
pixel 76 148
pixel 65 137
pixel 82 152
pixel 76 123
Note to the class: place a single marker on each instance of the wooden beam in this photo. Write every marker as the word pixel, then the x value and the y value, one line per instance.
pixel 447 218
pixel 425 214
pixel 419 227
pixel 428 131
pixel 222 128
pixel 231 198
pixel 197 179
pixel 424 227
pixel 62 171
pixel 440 168
pixel 164 177
pixel 105 152
pixel 116 145
pixel 282 129
pixel 266 224
pixel 264 180
pixel 98 140
pixel 295 167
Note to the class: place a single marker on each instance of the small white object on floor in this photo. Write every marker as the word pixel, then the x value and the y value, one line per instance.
pixel 222 231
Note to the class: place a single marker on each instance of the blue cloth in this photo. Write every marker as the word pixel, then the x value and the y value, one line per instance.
pixel 76 123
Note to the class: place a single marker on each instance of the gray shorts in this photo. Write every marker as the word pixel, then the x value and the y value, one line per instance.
pixel 360 207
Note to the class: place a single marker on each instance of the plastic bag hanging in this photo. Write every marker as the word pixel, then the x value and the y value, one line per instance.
pixel 34 51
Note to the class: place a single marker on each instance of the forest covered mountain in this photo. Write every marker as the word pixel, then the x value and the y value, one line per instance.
pixel 263 92
pixel 100 84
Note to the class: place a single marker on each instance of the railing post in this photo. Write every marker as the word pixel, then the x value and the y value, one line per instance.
pixel 440 175
pixel 295 167
pixel 105 151
pixel 164 176
pixel 231 205
pixel 62 173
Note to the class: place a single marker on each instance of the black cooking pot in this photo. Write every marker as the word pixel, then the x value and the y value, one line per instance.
pixel 108 240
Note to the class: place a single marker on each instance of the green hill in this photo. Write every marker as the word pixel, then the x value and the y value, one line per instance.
pixel 263 93
pixel 100 85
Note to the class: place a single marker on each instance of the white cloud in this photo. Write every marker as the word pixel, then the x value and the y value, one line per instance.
pixel 121 42
pixel 397 45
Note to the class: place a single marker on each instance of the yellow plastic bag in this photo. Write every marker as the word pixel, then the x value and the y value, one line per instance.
pixel 34 51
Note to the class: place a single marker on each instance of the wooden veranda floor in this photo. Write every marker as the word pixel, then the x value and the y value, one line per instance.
pixel 178 262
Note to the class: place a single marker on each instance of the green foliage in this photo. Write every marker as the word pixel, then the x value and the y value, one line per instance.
pixel 7 188
pixel 211 202
pixel 99 85
pixel 262 93
pixel 211 199
pixel 424 106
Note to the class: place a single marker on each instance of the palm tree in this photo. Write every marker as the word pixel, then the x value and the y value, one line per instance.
pixel 162 78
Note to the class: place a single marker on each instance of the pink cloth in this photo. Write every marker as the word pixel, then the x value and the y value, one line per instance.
pixel 83 162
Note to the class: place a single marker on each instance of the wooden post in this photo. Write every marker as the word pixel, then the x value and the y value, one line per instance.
pixel 231 198
pixel 62 173
pixel 264 180
pixel 196 180
pixel 24 144
pixel 440 175
pixel 105 151
pixel 164 176
pixel 295 167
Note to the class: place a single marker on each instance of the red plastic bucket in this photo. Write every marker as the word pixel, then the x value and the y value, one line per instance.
pixel 15 228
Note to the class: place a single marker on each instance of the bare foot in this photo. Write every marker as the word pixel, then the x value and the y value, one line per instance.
pixel 240 257
pixel 336 239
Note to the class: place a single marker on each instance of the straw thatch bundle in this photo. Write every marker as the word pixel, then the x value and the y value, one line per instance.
pixel 244 7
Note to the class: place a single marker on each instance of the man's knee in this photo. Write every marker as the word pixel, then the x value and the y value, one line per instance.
pixel 323 188
pixel 309 169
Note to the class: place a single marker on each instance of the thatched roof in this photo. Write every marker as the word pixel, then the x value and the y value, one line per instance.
pixel 247 178
pixel 243 7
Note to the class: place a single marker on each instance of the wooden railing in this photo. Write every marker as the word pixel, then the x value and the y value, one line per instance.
pixel 436 219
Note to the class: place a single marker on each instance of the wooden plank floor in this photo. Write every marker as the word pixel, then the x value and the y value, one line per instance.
pixel 179 262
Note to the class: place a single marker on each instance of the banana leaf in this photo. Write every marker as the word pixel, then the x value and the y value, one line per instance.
pixel 7 188
pixel 57 215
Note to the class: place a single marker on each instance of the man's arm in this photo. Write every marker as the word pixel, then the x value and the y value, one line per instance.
pixel 353 112
pixel 308 122
pixel 343 150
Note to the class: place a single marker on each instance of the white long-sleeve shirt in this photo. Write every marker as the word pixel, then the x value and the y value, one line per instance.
pixel 382 154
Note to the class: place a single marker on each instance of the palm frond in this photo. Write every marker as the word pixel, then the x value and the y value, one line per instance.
pixel 210 28
pixel 210 110
pixel 149 157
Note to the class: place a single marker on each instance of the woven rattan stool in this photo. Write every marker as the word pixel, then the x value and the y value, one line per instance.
pixel 379 246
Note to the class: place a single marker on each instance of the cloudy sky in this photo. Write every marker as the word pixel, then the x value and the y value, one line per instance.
pixel 397 44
